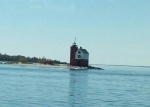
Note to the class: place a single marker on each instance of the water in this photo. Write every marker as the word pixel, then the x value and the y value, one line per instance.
pixel 22 86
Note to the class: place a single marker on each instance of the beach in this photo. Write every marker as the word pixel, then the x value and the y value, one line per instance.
pixel 64 66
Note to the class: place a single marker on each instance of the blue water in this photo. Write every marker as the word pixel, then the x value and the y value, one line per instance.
pixel 22 86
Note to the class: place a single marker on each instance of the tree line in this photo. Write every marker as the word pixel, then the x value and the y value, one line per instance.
pixel 23 59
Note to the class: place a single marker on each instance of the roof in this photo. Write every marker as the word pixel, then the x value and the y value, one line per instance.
pixel 84 51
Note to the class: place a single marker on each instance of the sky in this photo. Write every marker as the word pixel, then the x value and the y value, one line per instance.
pixel 113 31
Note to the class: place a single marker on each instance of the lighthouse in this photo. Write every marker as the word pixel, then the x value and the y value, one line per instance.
pixel 73 50
pixel 78 56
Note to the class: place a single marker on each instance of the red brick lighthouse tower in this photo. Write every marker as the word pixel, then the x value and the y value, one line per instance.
pixel 73 50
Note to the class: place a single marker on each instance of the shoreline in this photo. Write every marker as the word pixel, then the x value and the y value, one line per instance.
pixel 64 66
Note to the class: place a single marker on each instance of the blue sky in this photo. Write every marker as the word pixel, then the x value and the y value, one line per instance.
pixel 113 31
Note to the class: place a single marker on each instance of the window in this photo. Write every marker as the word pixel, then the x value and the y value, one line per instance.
pixel 79 52
pixel 79 56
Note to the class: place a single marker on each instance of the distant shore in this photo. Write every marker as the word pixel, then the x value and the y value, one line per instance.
pixel 64 66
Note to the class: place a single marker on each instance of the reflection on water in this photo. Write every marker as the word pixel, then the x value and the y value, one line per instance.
pixel 78 88
pixel 53 87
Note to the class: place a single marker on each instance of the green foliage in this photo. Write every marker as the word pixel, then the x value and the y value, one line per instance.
pixel 23 59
